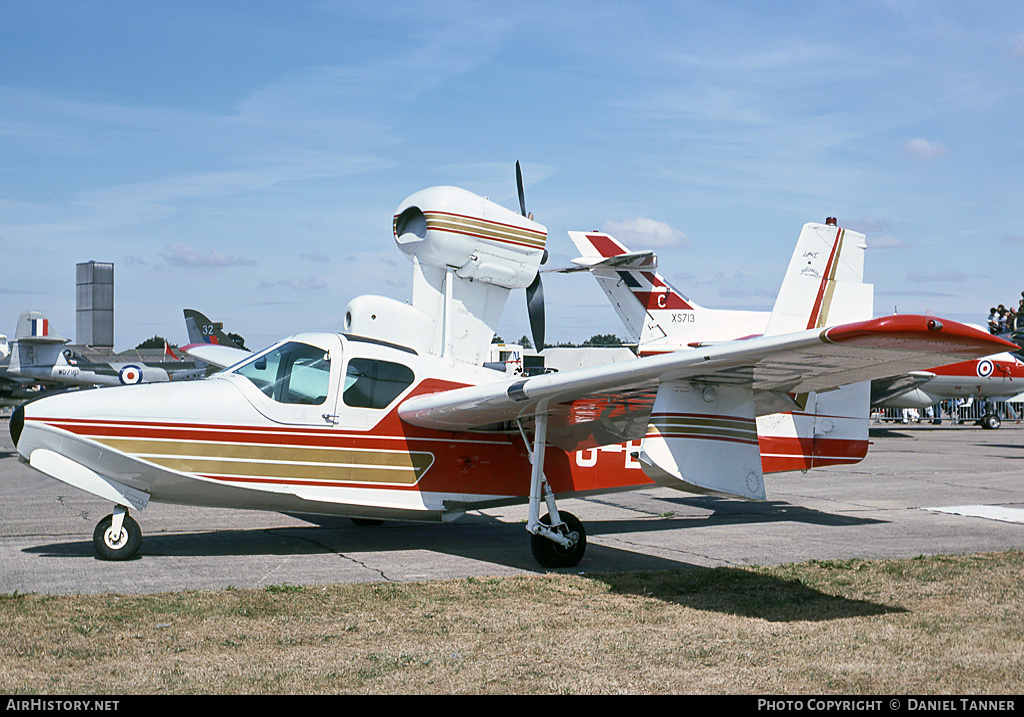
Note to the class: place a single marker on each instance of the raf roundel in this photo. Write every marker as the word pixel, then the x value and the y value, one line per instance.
pixel 129 375
pixel 985 368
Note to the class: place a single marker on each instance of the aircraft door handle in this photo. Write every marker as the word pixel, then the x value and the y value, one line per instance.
pixel 331 418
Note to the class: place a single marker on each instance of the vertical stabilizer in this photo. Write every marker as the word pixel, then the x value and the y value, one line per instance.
pixel 824 284
pixel 37 347
pixel 203 331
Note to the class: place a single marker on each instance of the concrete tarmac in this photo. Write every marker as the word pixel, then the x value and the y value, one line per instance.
pixel 922 490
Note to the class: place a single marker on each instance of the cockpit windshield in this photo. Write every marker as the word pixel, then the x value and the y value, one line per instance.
pixel 293 372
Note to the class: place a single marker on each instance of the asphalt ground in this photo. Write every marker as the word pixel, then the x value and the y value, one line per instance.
pixel 922 490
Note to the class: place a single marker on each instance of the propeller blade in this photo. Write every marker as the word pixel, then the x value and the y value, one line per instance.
pixel 535 309
pixel 519 184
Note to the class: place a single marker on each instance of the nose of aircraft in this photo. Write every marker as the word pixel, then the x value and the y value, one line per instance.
pixel 17 423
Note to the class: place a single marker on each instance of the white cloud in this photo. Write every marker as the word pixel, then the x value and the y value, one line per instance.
pixel 184 256
pixel 923 149
pixel 885 241
pixel 303 283
pixel 642 233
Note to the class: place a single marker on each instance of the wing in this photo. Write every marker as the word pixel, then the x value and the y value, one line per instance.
pixel 612 403
pixel 216 355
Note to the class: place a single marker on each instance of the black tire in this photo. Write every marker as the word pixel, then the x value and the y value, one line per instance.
pixel 120 547
pixel 990 421
pixel 552 555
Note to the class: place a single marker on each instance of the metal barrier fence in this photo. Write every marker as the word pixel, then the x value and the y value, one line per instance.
pixel 960 412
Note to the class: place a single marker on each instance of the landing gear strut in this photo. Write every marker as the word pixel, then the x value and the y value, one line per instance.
pixel 118 536
pixel 558 539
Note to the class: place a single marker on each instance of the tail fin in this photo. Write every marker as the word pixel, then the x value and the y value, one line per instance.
pixel 36 345
pixel 33 326
pixel 824 284
pixel 203 331
pixel 657 315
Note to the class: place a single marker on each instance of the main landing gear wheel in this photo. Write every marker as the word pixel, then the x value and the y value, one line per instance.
pixel 552 555
pixel 990 421
pixel 119 546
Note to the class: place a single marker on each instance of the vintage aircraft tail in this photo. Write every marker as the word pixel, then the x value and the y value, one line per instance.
pixel 203 331
pixel 657 315
pixel 716 438
pixel 36 347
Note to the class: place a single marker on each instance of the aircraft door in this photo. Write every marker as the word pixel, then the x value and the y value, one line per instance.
pixel 295 382
pixel 370 388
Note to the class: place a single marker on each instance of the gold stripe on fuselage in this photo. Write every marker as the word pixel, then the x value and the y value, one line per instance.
pixel 282 461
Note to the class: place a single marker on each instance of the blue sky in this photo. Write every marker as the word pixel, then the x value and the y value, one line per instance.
pixel 245 159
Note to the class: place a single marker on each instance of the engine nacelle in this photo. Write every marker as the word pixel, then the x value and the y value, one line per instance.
pixel 452 229
pixel 467 254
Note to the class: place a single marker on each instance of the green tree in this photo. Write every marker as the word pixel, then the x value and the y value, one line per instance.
pixel 157 342
pixel 603 340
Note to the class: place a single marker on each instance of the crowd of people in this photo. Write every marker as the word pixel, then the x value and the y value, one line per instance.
pixel 1002 320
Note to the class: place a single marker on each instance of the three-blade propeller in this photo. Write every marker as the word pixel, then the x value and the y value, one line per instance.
pixel 535 291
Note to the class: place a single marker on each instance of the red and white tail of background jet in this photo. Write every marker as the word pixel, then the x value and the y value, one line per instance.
pixel 661 318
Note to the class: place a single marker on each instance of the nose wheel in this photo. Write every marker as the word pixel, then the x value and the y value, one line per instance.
pixel 117 537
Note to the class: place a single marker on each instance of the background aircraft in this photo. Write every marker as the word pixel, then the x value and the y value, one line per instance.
pixel 43 355
pixel 15 390
pixel 994 378
pixel 203 331
pixel 662 319
pixel 397 417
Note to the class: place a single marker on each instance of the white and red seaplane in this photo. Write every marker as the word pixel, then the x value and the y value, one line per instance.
pixel 397 418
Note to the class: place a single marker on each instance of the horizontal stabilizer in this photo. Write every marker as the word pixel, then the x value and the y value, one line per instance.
pixel 633 261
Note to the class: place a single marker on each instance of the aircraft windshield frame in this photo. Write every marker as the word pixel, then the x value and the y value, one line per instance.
pixel 291 372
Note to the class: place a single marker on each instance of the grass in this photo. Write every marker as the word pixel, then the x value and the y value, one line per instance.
pixel 928 625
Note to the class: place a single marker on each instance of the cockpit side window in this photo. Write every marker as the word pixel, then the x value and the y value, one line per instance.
pixel 370 383
pixel 291 373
